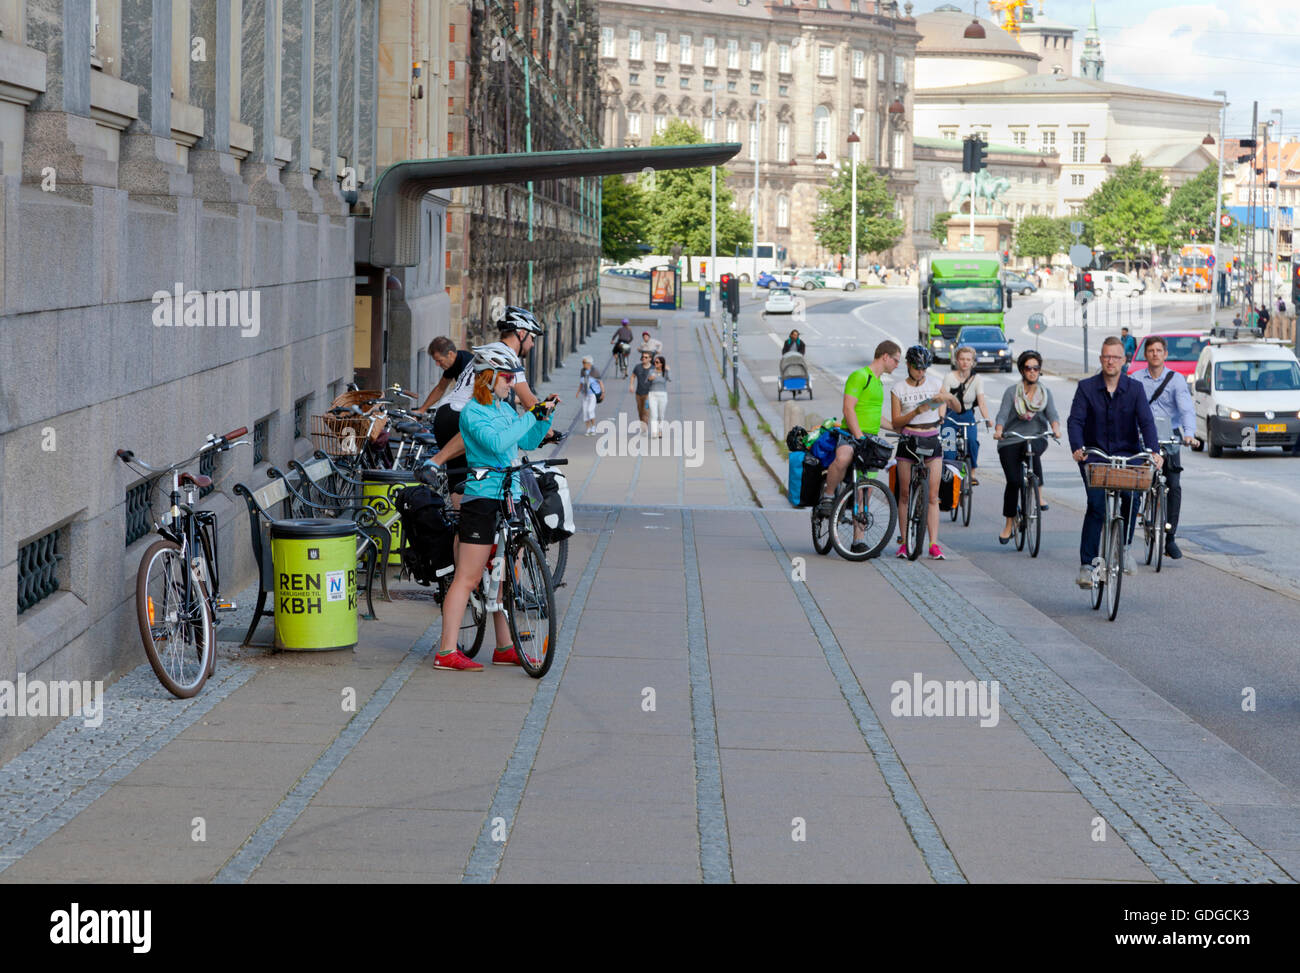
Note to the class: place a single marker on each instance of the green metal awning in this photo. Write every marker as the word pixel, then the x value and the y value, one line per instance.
pixel 394 226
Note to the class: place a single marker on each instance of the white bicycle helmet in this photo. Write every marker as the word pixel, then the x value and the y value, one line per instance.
pixel 496 357
pixel 520 319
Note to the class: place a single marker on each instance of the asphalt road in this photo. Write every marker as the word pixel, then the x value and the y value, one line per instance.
pixel 1200 633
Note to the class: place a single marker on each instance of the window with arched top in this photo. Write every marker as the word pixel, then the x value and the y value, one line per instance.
pixel 822 132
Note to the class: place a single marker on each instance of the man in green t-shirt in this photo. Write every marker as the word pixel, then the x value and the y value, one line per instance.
pixel 864 398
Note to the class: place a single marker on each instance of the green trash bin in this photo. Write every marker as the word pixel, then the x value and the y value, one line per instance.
pixel 374 491
pixel 315 563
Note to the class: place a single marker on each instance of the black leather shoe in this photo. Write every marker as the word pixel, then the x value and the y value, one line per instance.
pixel 1171 549
pixel 1005 540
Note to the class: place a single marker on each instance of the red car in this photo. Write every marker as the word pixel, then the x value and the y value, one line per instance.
pixel 1184 349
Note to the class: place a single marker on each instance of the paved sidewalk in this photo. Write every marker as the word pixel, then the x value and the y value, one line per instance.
pixel 725 706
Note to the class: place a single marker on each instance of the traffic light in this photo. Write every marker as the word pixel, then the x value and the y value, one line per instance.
pixel 729 287
pixel 968 154
pixel 981 155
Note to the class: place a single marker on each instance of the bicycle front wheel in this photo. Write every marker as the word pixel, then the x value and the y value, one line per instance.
pixel 821 532
pixel 1160 514
pixel 917 505
pixel 1114 568
pixel 1022 515
pixel 1033 519
pixel 529 598
pixel 967 497
pixel 175 620
pixel 868 509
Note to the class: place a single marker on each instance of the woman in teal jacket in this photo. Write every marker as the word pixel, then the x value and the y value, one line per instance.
pixel 493 434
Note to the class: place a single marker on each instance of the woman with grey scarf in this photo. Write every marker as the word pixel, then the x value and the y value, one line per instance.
pixel 1027 409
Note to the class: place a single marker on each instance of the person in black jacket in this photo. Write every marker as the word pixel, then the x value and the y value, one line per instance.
pixel 793 343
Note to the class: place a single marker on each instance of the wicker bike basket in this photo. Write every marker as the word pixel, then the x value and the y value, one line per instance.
pixel 339 435
pixel 1109 477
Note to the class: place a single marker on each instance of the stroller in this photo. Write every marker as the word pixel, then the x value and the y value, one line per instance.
pixel 794 376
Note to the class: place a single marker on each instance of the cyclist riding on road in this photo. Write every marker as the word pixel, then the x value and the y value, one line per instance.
pixel 1027 408
pixel 622 340
pixel 1109 413
pixel 1169 398
pixel 864 399
pixel 493 433
pixel 917 406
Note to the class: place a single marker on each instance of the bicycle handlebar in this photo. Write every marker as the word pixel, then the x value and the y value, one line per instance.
pixel 1029 439
pixel 235 433
pixel 1117 460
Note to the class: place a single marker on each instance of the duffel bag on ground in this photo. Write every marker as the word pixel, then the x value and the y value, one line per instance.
pixel 556 509
pixel 428 533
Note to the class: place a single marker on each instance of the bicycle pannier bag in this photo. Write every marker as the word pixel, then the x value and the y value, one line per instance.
pixel 428 533
pixel 555 512
pixel 949 487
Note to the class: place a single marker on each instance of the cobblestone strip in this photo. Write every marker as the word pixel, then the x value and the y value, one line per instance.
pixel 710 808
pixel 72 766
pixel 254 850
pixel 1176 833
pixel 485 859
pixel 934 850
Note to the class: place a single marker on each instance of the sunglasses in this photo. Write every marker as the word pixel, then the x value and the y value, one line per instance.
pixel 508 376
pixel 1031 368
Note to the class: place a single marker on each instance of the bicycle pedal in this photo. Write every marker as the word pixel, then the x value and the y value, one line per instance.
pixel 226 606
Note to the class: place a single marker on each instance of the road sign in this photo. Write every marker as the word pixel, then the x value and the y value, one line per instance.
pixel 1037 324
pixel 1076 228
pixel 1080 256
pixel 1209 261
pixel 1225 220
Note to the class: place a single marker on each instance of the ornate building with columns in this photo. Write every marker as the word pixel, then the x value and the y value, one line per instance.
pixel 790 80
pixel 150 147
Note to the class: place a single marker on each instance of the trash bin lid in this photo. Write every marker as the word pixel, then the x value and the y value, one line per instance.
pixel 286 529
pixel 389 476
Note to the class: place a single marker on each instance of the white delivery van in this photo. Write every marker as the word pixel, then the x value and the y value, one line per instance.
pixel 1247 394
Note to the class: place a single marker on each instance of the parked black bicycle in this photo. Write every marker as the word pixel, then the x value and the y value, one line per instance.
pixel 178 585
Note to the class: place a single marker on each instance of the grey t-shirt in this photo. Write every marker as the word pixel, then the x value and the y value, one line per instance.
pixel 642 373
pixel 657 381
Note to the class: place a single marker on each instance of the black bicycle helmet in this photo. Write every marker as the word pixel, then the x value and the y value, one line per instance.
pixel 519 319
pixel 1025 355
pixel 918 356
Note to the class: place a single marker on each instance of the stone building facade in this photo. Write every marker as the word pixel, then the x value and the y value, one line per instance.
pixel 191 144
pixel 789 80
pixel 526 81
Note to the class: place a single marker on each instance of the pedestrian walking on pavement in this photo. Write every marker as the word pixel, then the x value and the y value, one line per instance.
pixel 1130 344
pixel 589 388
pixel 639 384
pixel 657 397
pixel 1029 410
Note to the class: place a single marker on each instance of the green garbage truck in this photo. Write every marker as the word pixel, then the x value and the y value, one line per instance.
pixel 955 291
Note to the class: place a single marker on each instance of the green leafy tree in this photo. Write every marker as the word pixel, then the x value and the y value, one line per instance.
pixel 1191 207
pixel 1126 215
pixel 622 219
pixel 1041 237
pixel 677 203
pixel 878 228
pixel 939 228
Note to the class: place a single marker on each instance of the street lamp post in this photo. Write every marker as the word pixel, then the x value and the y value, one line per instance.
pixel 757 141
pixel 1218 204
pixel 1277 192
pixel 853 217
pixel 713 227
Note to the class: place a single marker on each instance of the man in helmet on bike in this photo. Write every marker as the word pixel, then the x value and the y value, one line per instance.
pixel 622 343
pixel 516 329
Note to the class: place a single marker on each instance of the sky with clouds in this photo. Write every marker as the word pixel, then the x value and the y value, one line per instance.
pixel 1249 50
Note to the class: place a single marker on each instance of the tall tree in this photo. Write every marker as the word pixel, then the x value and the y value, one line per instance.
pixel 677 203
pixel 622 219
pixel 1042 236
pixel 878 228
pixel 1191 207
pixel 939 228
pixel 1126 215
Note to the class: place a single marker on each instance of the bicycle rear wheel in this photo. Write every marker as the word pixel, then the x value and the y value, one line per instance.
pixel 1114 567
pixel 1033 518
pixel 870 507
pixel 176 626
pixel 917 505
pixel 529 598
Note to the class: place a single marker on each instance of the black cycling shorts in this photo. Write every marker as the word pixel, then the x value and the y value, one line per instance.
pixel 918 449
pixel 478 520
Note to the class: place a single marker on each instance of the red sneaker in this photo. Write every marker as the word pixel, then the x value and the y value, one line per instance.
pixel 456 661
pixel 505 657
